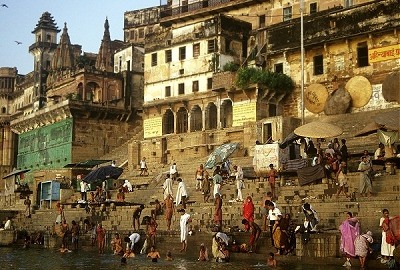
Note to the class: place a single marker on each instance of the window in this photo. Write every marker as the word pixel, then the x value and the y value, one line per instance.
pixel 141 33
pixel 211 46
pixel 48 38
pixel 182 53
pixel 209 83
pixel 154 59
pixel 185 6
pixel 168 56
pixel 167 91
pixel 181 89
pixel 313 8
pixel 287 14
pixel 278 68
pixel 132 34
pixel 181 71
pixel 318 65
pixel 362 54
pixel 348 3
pixel 195 86
pixel 261 21
pixel 196 50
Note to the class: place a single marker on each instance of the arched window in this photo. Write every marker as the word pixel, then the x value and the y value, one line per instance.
pixel 226 113
pixel 93 92
pixel 168 122
pixel 196 121
pixel 3 110
pixel 211 116
pixel 182 120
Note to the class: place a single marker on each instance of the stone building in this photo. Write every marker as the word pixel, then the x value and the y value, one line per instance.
pixel 190 104
pixel 72 107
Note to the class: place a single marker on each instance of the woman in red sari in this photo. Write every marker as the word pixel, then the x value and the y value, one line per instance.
pixel 248 211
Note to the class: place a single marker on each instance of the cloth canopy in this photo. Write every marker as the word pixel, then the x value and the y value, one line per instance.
pixel 103 173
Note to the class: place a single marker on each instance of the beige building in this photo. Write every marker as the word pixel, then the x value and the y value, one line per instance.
pixel 187 94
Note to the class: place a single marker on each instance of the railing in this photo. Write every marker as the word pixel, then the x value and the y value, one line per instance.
pixel 168 12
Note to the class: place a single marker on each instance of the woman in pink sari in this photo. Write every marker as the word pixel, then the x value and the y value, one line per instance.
pixel 349 229
pixel 248 211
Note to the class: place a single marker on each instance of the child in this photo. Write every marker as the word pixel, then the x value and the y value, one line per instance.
pixel 203 254
pixel 128 253
pixel 271 260
pixel 342 180
pixel 169 256
pixel 63 249
pixel 153 254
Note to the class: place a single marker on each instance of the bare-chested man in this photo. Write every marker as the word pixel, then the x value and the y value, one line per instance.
pixel 199 177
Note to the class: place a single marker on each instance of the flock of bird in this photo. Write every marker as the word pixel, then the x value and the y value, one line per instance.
pixel 16 41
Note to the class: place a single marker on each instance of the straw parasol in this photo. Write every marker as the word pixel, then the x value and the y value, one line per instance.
pixel 315 97
pixel 360 90
pixel 318 130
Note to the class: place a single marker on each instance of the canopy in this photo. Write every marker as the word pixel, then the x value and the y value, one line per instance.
pixel 103 173
pixel 368 129
pixel 220 154
pixel 16 173
pixel 389 120
pixel 87 163
pixel 289 139
pixel 318 129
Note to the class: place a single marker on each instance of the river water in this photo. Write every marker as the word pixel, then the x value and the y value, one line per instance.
pixel 50 259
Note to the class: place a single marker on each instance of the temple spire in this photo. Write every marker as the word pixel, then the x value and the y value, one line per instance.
pixel 105 56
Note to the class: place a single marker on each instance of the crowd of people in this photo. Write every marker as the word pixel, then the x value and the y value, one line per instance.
pixel 280 226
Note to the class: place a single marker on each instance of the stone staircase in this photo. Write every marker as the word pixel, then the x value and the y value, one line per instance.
pixel 322 197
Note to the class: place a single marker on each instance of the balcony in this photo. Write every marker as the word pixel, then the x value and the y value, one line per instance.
pixel 201 9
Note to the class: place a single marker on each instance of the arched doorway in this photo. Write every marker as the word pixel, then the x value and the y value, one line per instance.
pixel 226 113
pixel 211 116
pixel 168 122
pixel 196 119
pixel 181 120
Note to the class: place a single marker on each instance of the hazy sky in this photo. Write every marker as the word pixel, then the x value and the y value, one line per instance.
pixel 84 18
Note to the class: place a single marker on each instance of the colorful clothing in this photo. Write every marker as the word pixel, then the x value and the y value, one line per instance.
pixel 386 248
pixel 349 229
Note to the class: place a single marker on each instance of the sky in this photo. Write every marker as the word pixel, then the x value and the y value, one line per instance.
pixel 84 18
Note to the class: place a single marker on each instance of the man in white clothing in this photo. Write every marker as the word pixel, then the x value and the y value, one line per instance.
pixel 133 239
pixel 84 189
pixel 167 186
pixel 274 214
pixel 183 223
pixel 181 193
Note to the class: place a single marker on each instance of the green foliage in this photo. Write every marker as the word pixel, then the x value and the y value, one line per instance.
pixel 231 66
pixel 279 82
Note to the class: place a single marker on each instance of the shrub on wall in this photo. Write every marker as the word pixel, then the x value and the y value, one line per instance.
pixel 231 66
pixel 279 82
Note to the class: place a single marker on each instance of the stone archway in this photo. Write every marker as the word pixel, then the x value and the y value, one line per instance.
pixel 196 119
pixel 226 113
pixel 211 116
pixel 182 120
pixel 168 122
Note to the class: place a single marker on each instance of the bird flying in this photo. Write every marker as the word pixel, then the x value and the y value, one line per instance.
pixel 4 5
pixel 18 42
